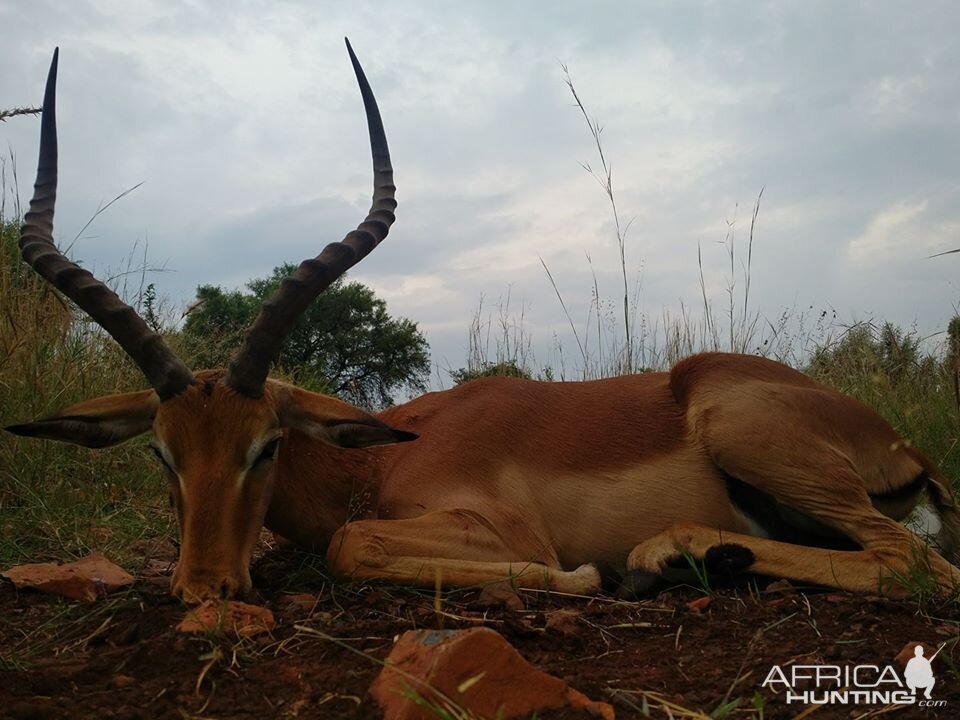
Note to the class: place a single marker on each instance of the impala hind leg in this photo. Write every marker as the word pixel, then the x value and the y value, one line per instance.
pixel 865 571
pixel 458 548
pixel 806 466
pixel 821 491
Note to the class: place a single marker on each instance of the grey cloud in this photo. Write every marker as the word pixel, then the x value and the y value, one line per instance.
pixel 244 123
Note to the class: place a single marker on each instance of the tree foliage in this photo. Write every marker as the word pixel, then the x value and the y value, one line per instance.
pixel 345 343
pixel 505 368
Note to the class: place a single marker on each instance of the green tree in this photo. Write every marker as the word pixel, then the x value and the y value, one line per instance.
pixel 345 344
pixel 506 368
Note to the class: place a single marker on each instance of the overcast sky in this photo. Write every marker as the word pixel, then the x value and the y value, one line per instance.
pixel 243 122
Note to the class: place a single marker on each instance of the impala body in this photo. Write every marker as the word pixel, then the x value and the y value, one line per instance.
pixel 506 479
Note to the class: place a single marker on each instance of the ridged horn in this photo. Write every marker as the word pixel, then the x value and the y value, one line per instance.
pixel 164 370
pixel 249 368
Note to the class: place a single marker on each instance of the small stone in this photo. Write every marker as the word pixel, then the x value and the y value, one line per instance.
pixel 122 681
pixel 780 586
pixel 231 616
pixel 477 670
pixel 699 605
pixel 301 601
pixel 500 594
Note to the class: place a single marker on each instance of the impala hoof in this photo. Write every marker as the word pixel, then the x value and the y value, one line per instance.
pixel 728 560
pixel 722 564
pixel 637 584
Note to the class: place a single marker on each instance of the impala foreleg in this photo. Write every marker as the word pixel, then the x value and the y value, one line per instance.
pixel 455 548
pixel 885 571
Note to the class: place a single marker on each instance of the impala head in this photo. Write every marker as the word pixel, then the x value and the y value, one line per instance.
pixel 216 432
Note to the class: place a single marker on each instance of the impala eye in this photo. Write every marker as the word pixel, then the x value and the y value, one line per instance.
pixel 268 453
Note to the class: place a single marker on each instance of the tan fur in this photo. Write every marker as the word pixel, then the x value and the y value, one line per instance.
pixel 530 481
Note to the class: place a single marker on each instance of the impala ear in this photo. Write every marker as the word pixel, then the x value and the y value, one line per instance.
pixel 334 421
pixel 97 423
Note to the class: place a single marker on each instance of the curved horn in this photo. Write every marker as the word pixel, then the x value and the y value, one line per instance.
pixel 249 367
pixel 165 372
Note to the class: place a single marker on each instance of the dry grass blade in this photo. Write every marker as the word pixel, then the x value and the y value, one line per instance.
pixel 16 112
pixel 573 327
pixel 606 182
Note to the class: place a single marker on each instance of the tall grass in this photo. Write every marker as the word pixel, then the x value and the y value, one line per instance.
pixel 890 370
pixel 911 382
pixel 59 500
pixel 618 336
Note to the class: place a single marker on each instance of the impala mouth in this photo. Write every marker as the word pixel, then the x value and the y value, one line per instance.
pixel 199 587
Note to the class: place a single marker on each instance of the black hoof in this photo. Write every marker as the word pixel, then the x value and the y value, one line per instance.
pixel 610 577
pixel 728 560
pixel 639 583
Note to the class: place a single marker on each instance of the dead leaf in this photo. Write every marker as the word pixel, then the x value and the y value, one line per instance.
pixel 87 579
pixel 230 616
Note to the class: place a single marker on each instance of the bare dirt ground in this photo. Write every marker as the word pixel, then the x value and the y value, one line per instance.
pixel 123 658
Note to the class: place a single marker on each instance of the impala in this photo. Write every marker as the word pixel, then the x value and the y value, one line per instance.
pixel 723 458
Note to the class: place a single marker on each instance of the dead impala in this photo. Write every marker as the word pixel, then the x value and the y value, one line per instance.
pixel 510 479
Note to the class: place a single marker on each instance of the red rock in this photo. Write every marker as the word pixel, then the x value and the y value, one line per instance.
pixel 122 681
pixel 89 578
pixel 476 670
pixel 908 651
pixel 699 605
pixel 303 601
pixel 229 616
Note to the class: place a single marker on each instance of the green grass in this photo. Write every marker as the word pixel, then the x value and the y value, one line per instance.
pixel 60 501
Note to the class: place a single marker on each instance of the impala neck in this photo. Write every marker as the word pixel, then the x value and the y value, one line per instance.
pixel 319 488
